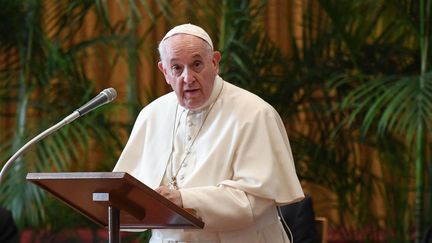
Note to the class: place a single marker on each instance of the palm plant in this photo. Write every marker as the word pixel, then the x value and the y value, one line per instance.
pixel 347 44
pixel 334 39
pixel 44 72
pixel 401 103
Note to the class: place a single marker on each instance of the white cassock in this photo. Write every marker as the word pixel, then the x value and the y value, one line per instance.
pixel 238 169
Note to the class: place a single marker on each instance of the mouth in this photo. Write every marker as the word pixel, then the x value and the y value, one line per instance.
pixel 190 92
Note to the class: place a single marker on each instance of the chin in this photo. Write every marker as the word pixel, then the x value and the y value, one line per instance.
pixel 193 106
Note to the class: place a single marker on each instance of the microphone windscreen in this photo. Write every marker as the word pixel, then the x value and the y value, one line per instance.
pixel 111 94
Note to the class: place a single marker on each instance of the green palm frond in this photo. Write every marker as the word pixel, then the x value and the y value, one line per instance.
pixel 393 104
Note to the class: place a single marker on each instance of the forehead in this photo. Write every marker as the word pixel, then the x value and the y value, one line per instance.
pixel 185 46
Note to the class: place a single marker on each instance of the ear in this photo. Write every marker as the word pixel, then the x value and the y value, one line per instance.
pixel 163 70
pixel 216 59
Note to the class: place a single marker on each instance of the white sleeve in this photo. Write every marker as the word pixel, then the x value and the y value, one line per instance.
pixel 224 208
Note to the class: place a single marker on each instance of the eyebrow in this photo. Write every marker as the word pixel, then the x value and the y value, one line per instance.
pixel 195 56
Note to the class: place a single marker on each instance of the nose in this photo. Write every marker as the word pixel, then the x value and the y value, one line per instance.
pixel 188 75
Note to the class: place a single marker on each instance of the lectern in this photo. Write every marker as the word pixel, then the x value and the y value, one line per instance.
pixel 115 200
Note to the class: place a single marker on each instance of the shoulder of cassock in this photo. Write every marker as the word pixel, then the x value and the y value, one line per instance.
pixel 142 143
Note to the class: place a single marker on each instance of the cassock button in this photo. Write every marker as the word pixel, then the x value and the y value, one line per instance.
pixel 189 138
pixel 181 177
pixel 190 124
pixel 185 164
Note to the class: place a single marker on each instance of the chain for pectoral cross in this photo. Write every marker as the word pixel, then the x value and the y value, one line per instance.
pixel 173 183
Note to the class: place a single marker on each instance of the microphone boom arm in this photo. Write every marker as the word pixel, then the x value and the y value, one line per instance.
pixel 42 135
pixel 106 96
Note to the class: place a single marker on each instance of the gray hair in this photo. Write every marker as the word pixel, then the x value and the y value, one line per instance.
pixel 162 47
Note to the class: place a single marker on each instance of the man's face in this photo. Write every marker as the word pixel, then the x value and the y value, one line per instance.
pixel 190 67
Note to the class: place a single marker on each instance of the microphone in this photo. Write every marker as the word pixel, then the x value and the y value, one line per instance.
pixel 104 97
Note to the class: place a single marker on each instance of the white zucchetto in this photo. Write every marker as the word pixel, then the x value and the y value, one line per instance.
pixel 189 29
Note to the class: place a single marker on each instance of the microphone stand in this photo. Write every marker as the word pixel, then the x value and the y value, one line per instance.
pixel 42 135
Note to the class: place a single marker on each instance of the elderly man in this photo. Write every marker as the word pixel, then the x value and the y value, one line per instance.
pixel 212 147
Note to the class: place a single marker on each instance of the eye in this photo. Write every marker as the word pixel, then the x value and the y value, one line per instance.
pixel 176 69
pixel 197 65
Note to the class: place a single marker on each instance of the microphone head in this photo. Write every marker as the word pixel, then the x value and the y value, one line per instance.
pixel 110 93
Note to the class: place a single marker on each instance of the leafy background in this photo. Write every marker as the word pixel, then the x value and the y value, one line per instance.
pixel 351 80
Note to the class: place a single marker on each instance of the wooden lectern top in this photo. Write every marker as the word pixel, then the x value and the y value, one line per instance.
pixel 90 193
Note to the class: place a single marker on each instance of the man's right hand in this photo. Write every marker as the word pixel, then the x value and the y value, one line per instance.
pixel 171 194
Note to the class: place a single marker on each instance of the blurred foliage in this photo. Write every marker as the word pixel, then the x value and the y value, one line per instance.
pixel 44 72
